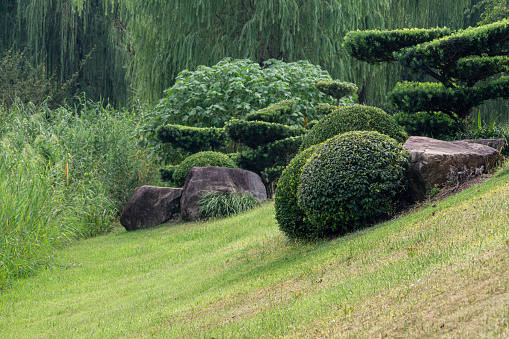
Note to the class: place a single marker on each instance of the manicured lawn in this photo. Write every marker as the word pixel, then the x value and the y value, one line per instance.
pixel 441 271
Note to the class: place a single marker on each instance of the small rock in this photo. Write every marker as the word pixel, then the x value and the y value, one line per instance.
pixel 150 206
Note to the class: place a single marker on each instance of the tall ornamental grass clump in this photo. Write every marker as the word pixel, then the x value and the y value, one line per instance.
pixel 30 214
pixel 68 173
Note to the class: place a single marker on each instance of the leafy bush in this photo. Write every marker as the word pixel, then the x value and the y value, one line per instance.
pixel 480 130
pixel 193 139
pixel 201 159
pixel 351 181
pixel 258 133
pixel 354 118
pixel 290 217
pixel 218 204
pixel 324 109
pixel 211 96
pixel 430 124
pixel 336 89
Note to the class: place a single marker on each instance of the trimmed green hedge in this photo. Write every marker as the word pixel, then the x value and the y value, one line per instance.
pixel 336 89
pixel 354 118
pixel 430 124
pixel 278 113
pixel 278 153
pixel 323 109
pixel 488 39
pixel 193 139
pixel 201 159
pixel 350 182
pixel 379 46
pixel 258 133
pixel 290 217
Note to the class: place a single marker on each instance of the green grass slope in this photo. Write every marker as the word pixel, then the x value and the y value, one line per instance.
pixel 441 271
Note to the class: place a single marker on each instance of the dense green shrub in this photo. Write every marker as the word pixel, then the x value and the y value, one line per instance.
pixel 279 113
pixel 480 130
pixel 201 159
pixel 211 96
pixel 290 217
pixel 258 133
pixel 218 204
pixel 430 124
pixel 351 181
pixel 354 118
pixel 336 89
pixel 324 109
pixel 193 139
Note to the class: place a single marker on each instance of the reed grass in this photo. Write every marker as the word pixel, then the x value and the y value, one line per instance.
pixel 64 174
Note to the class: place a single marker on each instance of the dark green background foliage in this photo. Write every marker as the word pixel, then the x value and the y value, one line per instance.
pixel 193 139
pixel 378 46
pixel 201 159
pixel 430 124
pixel 354 118
pixel 290 217
pixel 152 41
pixel 20 80
pixel 258 133
pixel 279 113
pixel 166 172
pixel 351 181
pixel 218 204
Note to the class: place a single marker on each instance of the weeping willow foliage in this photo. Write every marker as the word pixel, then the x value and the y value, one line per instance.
pixel 171 35
pixel 62 34
pixel 8 31
pixel 154 40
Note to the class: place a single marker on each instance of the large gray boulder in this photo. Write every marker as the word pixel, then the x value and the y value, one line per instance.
pixel 435 162
pixel 226 180
pixel 497 144
pixel 150 206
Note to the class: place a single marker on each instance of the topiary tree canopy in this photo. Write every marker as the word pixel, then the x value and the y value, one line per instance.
pixel 464 64
pixel 354 118
pixel 350 181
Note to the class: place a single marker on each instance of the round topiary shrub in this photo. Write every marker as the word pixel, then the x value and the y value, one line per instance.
pixel 351 181
pixel 354 118
pixel 290 217
pixel 201 159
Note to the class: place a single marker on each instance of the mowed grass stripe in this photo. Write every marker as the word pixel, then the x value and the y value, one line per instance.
pixel 240 277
